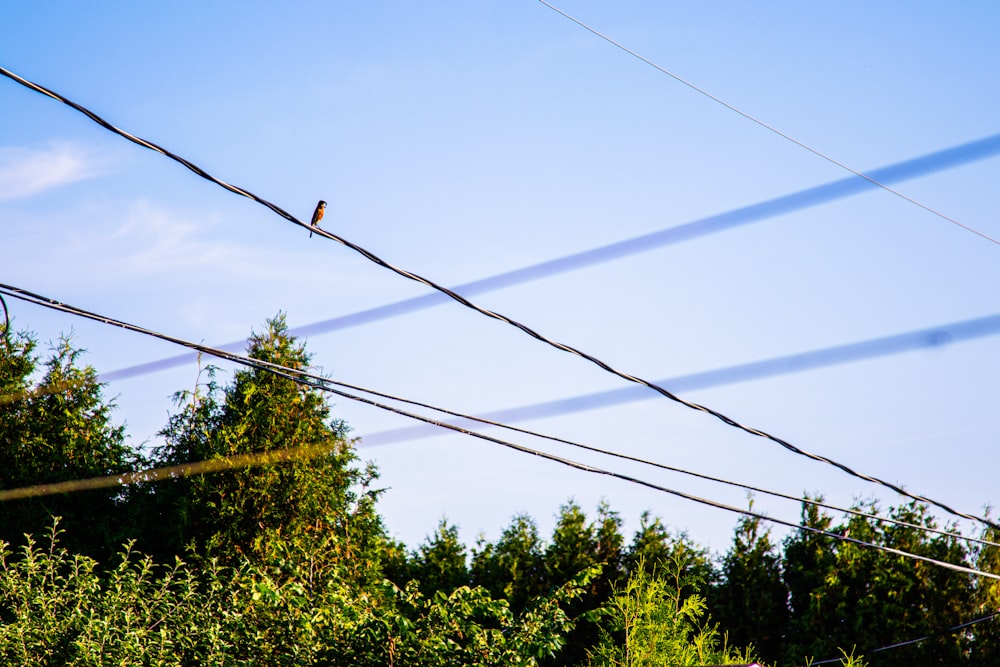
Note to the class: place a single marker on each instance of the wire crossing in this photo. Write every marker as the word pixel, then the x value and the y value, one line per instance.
pixel 874 348
pixel 495 315
pixel 325 384
pixel 307 379
pixel 929 163
pixel 771 128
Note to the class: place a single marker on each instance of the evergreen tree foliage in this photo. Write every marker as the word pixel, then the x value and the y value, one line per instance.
pixel 654 623
pixel 985 648
pixel 846 595
pixel 440 563
pixel 286 562
pixel 514 566
pixel 751 601
pixel 58 428
pixel 654 548
pixel 245 511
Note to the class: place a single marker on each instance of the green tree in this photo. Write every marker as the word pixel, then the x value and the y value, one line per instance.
pixel 440 563
pixel 56 429
pixel 654 621
pixel 751 600
pixel 653 547
pixel 513 567
pixel 59 609
pixel 807 560
pixel 844 594
pixel 578 544
pixel 251 510
pixel 985 648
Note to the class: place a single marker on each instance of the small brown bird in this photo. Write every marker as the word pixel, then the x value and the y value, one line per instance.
pixel 317 215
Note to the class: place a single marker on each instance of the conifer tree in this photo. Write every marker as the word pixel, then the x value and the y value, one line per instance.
pixel 318 494
pixel 58 428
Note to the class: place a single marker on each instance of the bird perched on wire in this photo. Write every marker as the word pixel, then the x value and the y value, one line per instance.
pixel 317 216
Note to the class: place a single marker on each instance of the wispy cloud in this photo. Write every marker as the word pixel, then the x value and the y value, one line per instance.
pixel 26 172
pixel 153 240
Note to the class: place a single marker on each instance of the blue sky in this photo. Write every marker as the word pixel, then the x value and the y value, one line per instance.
pixel 463 140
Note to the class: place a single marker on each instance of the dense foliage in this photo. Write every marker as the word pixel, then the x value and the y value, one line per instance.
pixel 287 562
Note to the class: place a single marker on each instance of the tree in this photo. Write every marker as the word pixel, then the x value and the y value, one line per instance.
pixel 985 649
pixel 54 430
pixel 845 594
pixel 60 609
pixel 316 490
pixel 577 545
pixel 512 568
pixel 654 548
pixel 751 601
pixel 439 564
pixel 653 623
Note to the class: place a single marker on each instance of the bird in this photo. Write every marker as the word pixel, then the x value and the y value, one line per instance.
pixel 317 216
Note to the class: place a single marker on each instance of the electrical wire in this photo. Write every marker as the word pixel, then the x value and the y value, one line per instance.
pixel 296 376
pixel 947 631
pixel 489 313
pixel 6 320
pixel 954 156
pixel 771 128
pixel 309 451
pixel 929 338
pixel 608 452
pixel 492 422
pixel 690 473
pixel 326 384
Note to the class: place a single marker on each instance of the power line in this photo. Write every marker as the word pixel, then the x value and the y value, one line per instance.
pixel 924 165
pixel 682 471
pixel 302 378
pixel 324 383
pixel 928 338
pixel 771 128
pixel 489 313
pixel 6 316
pixel 947 631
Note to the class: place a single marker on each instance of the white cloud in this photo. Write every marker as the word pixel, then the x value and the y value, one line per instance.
pixel 26 172
pixel 153 240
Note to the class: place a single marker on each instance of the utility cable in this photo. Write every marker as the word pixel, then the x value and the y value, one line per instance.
pixel 6 320
pixel 627 457
pixel 492 314
pixel 924 165
pixel 326 384
pixel 296 376
pixel 947 631
pixel 873 348
pixel 771 128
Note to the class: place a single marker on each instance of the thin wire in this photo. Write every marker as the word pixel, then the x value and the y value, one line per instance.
pixel 947 631
pixel 6 320
pixel 932 337
pixel 491 314
pixel 655 464
pixel 295 375
pixel 324 383
pixel 769 127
